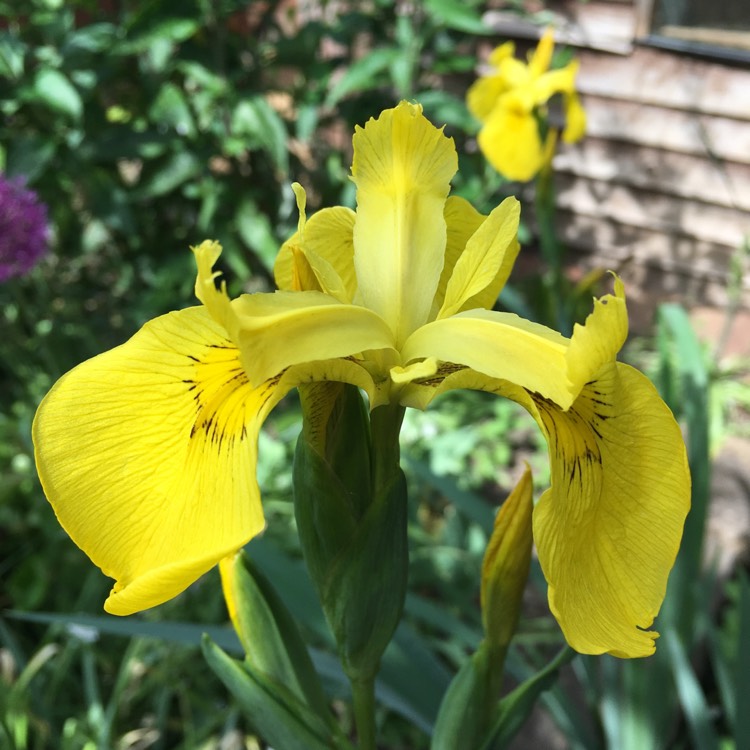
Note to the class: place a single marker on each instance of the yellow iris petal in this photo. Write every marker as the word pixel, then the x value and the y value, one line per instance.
pixel 147 454
pixel 575 119
pixel 505 50
pixel 276 331
pixel 541 57
pixel 560 81
pixel 461 220
pixel 215 300
pixel 328 244
pixel 597 341
pixel 530 355
pixel 500 345
pixel 514 72
pixel 483 94
pixel 487 260
pixel 608 529
pixel 510 141
pixel 402 168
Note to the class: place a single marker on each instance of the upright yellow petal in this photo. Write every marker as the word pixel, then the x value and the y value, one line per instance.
pixel 461 220
pixel 515 73
pixel 147 454
pixel 608 529
pixel 487 260
pixel 327 242
pixel 402 168
pixel 502 52
pixel 541 57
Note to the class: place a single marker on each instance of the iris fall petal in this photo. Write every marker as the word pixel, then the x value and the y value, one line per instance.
pixel 608 529
pixel 147 455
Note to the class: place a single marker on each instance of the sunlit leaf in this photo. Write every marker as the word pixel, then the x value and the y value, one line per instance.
pixel 54 90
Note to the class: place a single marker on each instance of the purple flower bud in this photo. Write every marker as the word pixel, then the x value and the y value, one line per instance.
pixel 24 231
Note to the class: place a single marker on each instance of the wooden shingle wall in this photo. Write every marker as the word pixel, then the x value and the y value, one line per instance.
pixel 659 188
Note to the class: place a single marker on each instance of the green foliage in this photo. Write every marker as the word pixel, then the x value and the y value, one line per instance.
pixel 147 127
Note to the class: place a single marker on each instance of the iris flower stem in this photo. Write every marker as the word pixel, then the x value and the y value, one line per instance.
pixel 363 692
pixel 552 250
pixel 385 426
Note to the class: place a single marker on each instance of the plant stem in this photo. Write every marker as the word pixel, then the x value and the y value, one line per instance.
pixel 385 425
pixel 363 692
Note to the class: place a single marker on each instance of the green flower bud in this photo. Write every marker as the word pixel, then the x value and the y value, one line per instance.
pixel 350 504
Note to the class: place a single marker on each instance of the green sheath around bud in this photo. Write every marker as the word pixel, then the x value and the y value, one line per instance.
pixel 350 505
pixel 270 637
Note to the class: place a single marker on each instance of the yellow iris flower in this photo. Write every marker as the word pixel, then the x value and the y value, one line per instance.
pixel 148 452
pixel 508 101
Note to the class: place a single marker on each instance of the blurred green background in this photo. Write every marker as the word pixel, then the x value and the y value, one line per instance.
pixel 146 127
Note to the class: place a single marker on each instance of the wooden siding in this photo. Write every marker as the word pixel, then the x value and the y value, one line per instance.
pixel 659 189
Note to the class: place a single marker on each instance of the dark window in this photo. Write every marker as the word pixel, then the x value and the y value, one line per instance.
pixel 703 23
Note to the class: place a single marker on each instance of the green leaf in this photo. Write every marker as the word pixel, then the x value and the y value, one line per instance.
pixel 272 642
pixel 256 120
pixel 466 710
pixel 742 668
pixel 362 74
pixel 444 108
pixel 172 30
pixel 255 229
pixel 693 405
pixel 29 156
pixel 178 169
pixel 458 15
pixel 96 37
pixel 12 51
pixel 184 633
pixel 54 90
pixel 695 708
pixel 282 720
pixel 171 108
pixel 515 708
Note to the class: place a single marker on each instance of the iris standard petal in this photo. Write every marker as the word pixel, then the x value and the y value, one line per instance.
pixel 328 235
pixel 486 262
pixel 402 168
pixel 608 529
pixel 147 454
pixel 462 220
pixel 515 73
pixel 276 331
pixel 541 57
pixel 510 141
